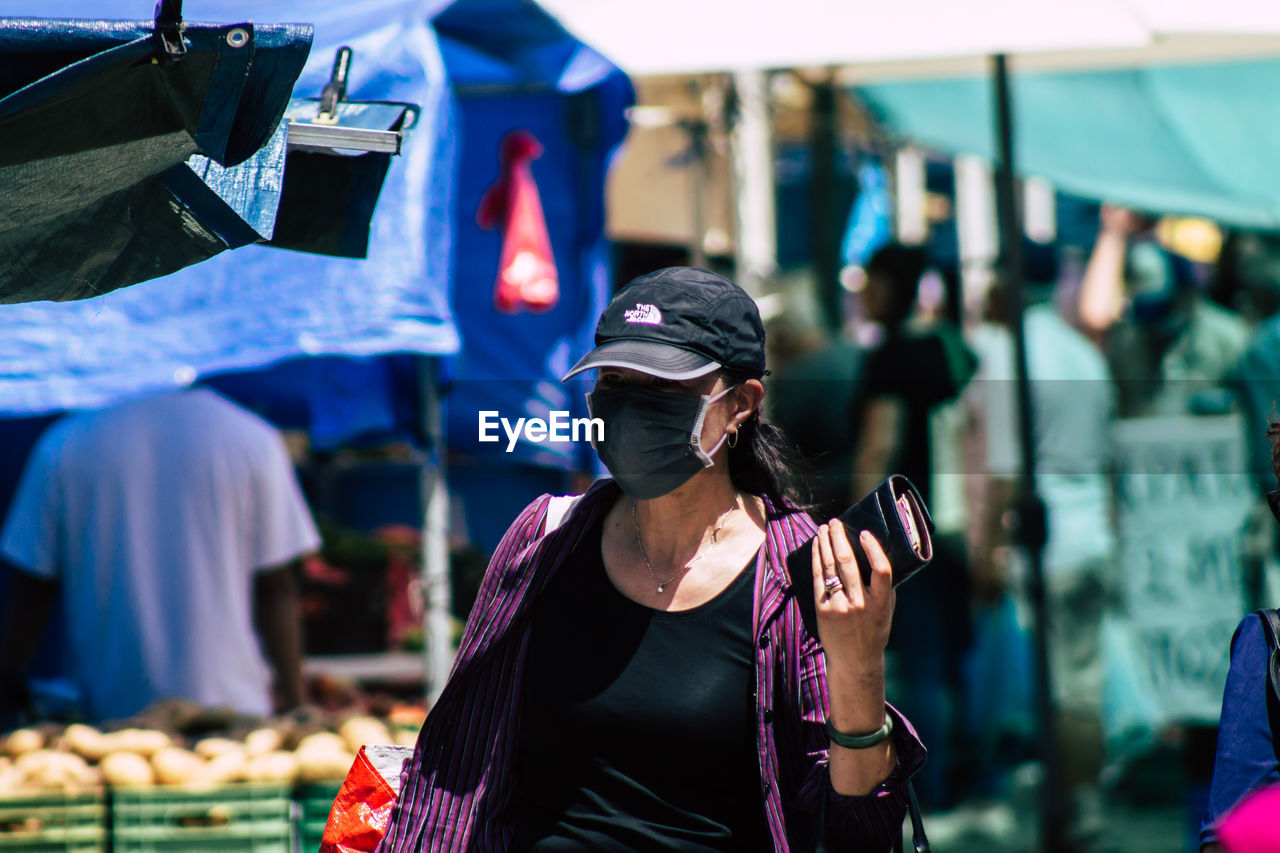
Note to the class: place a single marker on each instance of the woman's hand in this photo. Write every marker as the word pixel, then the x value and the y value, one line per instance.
pixel 853 619
pixel 853 625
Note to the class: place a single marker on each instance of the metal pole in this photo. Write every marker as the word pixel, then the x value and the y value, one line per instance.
pixel 825 219
pixel 1031 529
pixel 755 254
pixel 976 230
pixel 698 187
pixel 437 627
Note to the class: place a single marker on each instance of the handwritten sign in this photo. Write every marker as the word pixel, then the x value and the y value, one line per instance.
pixel 1182 496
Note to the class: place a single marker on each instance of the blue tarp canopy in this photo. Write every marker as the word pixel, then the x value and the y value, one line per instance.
pixel 1192 138
pixel 479 69
pixel 257 306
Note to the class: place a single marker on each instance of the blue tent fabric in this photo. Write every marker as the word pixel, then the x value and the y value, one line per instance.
pixel 258 306
pixel 511 43
pixel 495 66
pixel 1192 139
pixel 528 74
pixel 340 401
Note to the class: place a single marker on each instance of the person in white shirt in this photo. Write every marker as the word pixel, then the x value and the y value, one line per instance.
pixel 168 527
pixel 1073 404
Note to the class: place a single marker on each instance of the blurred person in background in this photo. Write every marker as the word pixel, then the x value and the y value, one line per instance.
pixel 815 382
pixel 1173 352
pixel 167 529
pixel 1251 260
pixel 909 373
pixel 906 379
pixel 1246 759
pixel 1073 405
pixel 1170 348
pixel 1245 277
pixel 1255 263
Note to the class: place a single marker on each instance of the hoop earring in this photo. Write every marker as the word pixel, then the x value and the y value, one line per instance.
pixel 732 440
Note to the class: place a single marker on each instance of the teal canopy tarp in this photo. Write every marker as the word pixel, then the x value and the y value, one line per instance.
pixel 1193 139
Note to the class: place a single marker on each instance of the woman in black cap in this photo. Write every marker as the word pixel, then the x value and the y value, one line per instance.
pixel 641 675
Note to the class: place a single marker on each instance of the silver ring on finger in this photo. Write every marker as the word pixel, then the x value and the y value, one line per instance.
pixel 832 585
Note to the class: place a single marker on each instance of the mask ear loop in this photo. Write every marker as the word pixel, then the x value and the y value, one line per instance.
pixel 591 433
pixel 695 435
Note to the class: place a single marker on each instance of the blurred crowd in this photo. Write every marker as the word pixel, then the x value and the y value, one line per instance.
pixel 920 380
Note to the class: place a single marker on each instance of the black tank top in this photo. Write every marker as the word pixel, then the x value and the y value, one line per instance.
pixel 636 725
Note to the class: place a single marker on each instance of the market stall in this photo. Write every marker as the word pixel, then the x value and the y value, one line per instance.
pixel 344 349
pixel 260 306
pixel 326 344
pixel 335 346
pixel 182 777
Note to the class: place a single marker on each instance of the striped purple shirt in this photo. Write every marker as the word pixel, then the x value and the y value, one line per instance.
pixel 456 790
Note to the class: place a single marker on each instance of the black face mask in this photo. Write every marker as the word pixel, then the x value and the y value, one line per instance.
pixel 652 440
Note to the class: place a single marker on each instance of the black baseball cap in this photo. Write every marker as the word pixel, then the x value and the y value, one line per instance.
pixel 679 323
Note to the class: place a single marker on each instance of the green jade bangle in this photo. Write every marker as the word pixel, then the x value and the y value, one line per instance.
pixel 880 735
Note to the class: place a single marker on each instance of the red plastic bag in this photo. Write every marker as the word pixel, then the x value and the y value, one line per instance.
pixel 359 816
pixel 527 278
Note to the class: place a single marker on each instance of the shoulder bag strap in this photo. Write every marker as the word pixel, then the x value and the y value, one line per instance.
pixel 919 841
pixel 1271 630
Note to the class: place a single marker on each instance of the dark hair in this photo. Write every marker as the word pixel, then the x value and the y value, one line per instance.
pixel 765 461
pixel 903 265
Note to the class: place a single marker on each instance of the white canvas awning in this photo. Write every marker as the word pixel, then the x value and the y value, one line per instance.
pixel 936 37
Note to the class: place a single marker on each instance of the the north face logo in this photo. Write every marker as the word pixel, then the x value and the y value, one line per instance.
pixel 644 313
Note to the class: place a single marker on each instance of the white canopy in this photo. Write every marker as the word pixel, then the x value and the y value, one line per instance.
pixel 936 36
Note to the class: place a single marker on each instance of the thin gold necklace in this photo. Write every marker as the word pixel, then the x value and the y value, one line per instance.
pixel 662 585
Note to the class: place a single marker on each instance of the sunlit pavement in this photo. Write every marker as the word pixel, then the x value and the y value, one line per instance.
pixel 1138 815
pixel 999 828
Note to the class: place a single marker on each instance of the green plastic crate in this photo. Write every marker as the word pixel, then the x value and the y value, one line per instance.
pixel 315 799
pixel 53 823
pixel 254 818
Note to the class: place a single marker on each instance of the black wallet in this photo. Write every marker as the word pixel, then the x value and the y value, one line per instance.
pixel 896 515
